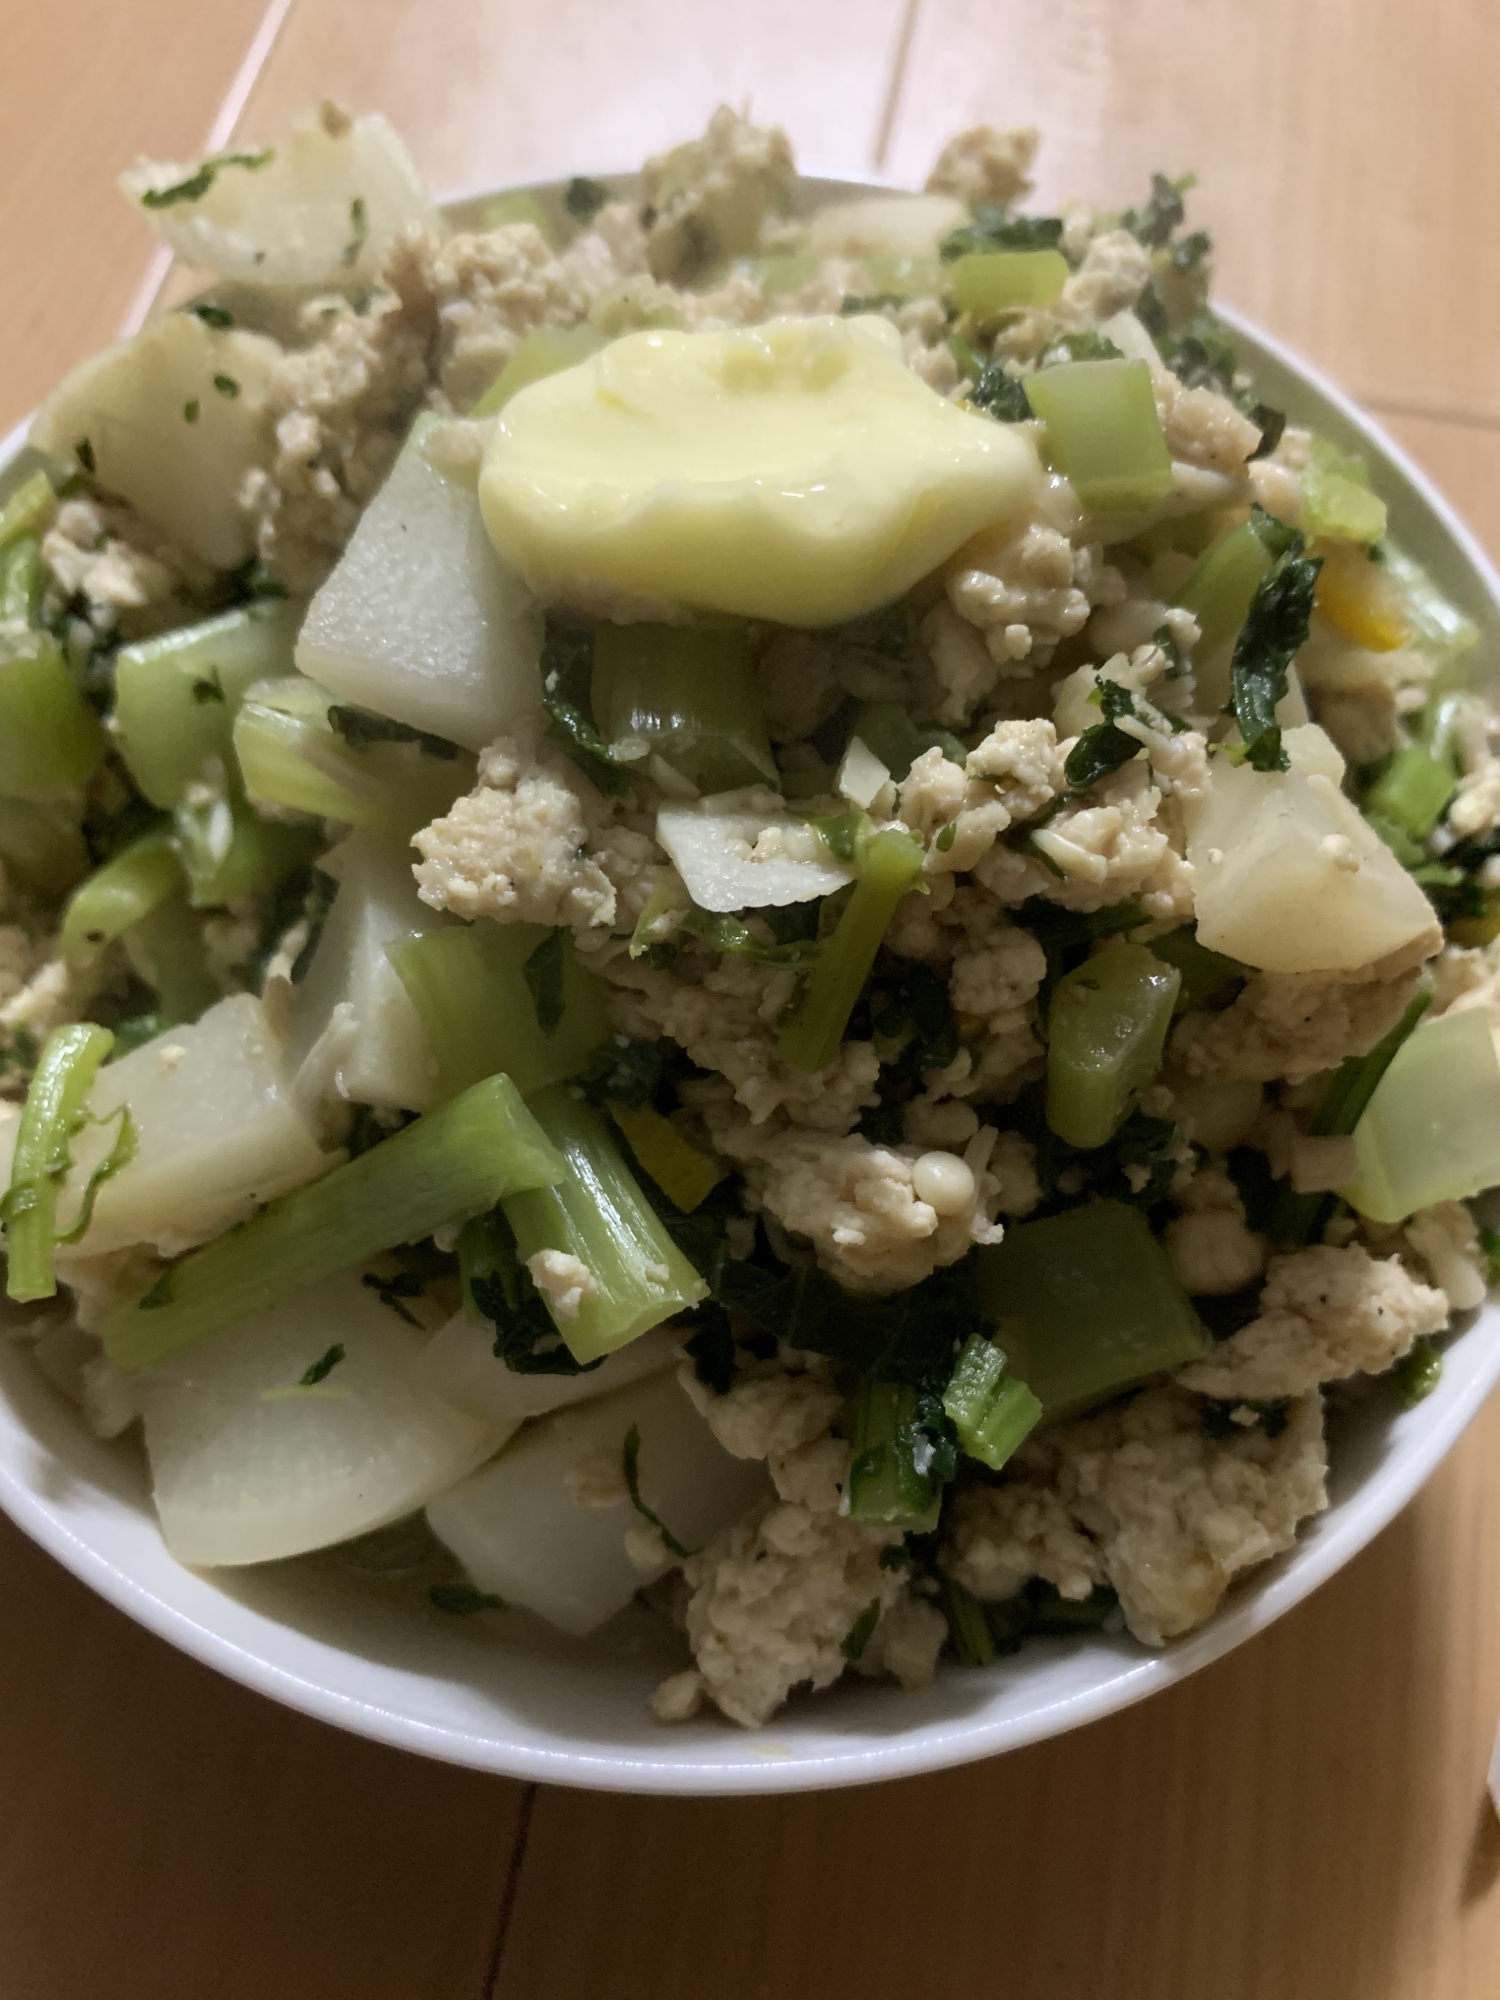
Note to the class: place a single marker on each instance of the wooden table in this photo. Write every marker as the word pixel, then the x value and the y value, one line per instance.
pixel 1305 1821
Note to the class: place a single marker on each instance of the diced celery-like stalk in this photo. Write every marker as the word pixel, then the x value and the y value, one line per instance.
pixel 889 864
pixel 28 509
pixel 1412 791
pixel 470 992
pixel 546 350
pixel 1103 433
pixel 450 1165
pixel 685 1175
pixel 1219 590
pixel 50 740
pixel 686 693
pixel 69 1063
pixel 1438 628
pixel 992 1412
pixel 1431 1132
pixel 1336 496
pixel 597 1213
pixel 989 281
pixel 1085 1304
pixel 140 878
pixel 885 1483
pixel 291 755
pixel 228 851
pixel 176 696
pixel 1106 1029
pixel 166 949
pixel 42 845
pixel 23 579
pixel 1206 975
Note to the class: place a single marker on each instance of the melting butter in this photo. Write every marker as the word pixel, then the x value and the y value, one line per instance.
pixel 796 471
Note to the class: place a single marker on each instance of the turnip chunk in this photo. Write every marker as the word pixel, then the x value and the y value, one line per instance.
pixel 286 215
pixel 218 1133
pixel 171 421
pixel 519 1530
pixel 900 225
pixel 421 620
pixel 461 1364
pixel 1431 1132
pixel 1289 878
pixel 247 1466
pixel 353 1029
pixel 744 851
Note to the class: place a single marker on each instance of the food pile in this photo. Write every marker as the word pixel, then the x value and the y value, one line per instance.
pixel 764 897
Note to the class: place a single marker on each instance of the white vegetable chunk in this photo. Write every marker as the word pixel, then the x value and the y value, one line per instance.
pixel 460 1363
pixel 744 851
pixel 217 1132
pixel 519 1530
pixel 172 421
pixel 286 215
pixel 375 1050
pixel 247 1467
pixel 421 620
pixel 861 775
pixel 1431 1132
pixel 900 225
pixel 1288 876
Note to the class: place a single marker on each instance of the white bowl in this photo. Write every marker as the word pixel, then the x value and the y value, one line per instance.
pixel 498 1693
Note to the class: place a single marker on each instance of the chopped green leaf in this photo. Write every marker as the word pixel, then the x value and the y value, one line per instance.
pixel 190 411
pixel 323 1367
pixel 854 1641
pixel 208 688
pixel 1153 223
pixel 212 315
pixel 359 230
pixel 631 1462
pixel 227 386
pixel 1001 395
pixel 1104 748
pixel 84 452
pixel 543 972
pixel 360 727
pixel 567 668
pixel 1275 626
pixel 198 183
pixel 498 1290
pixel 462 1600
pixel 583 198
pixel 992 229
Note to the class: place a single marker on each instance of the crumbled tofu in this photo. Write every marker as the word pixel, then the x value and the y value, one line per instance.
pixel 1294 1025
pixel 986 165
pixel 1202 427
pixel 1177 1514
pixel 1014 774
pixel 516 848
pixel 708 198
pixel 1027 591
pixel 1213 1250
pixel 567 1281
pixel 1111 843
pixel 999 1537
pixel 1445 1239
pixel 1324 1314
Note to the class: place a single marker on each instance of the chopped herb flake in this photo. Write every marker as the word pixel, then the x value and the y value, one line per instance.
pixel 212 315
pixel 543 973
pixel 198 183
pixel 631 1458
pixel 323 1367
pixel 360 727
pixel 583 198
pixel 359 230
pixel 226 386
pixel 84 452
pixel 190 411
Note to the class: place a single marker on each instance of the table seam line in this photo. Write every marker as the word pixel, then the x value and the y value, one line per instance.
pixel 895 87
pixel 509 1895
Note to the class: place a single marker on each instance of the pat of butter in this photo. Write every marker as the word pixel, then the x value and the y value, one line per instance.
pixel 796 471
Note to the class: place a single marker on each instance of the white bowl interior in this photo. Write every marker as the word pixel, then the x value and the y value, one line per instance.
pixel 500 1693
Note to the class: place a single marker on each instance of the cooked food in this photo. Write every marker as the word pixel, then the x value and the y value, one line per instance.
pixel 762 901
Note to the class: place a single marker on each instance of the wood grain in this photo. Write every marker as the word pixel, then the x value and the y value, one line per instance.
pixel 85 87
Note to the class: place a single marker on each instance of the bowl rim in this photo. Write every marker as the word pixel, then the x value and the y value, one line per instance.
pixel 1300 1572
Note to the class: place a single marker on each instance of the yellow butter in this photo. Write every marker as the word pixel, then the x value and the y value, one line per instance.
pixel 796 471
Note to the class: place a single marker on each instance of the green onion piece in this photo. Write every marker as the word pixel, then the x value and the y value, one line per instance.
pixel 469 989
pixel 597 1213
pixel 1431 1130
pixel 684 1175
pixel 1413 791
pixel 546 350
pixel 1103 433
pixel 54 1105
pixel 1219 591
pixel 290 754
pixel 686 693
pixel 42 845
pixel 23 580
pixel 1085 1304
pixel 885 1483
pixel 1106 1029
pixel 1207 976
pixel 1336 496
pixel 166 950
pixel 991 281
pixel 450 1165
pixel 228 851
pixel 139 878
pixel 176 696
pixel 28 510
pixel 890 863
pixel 50 740
pixel 991 1411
